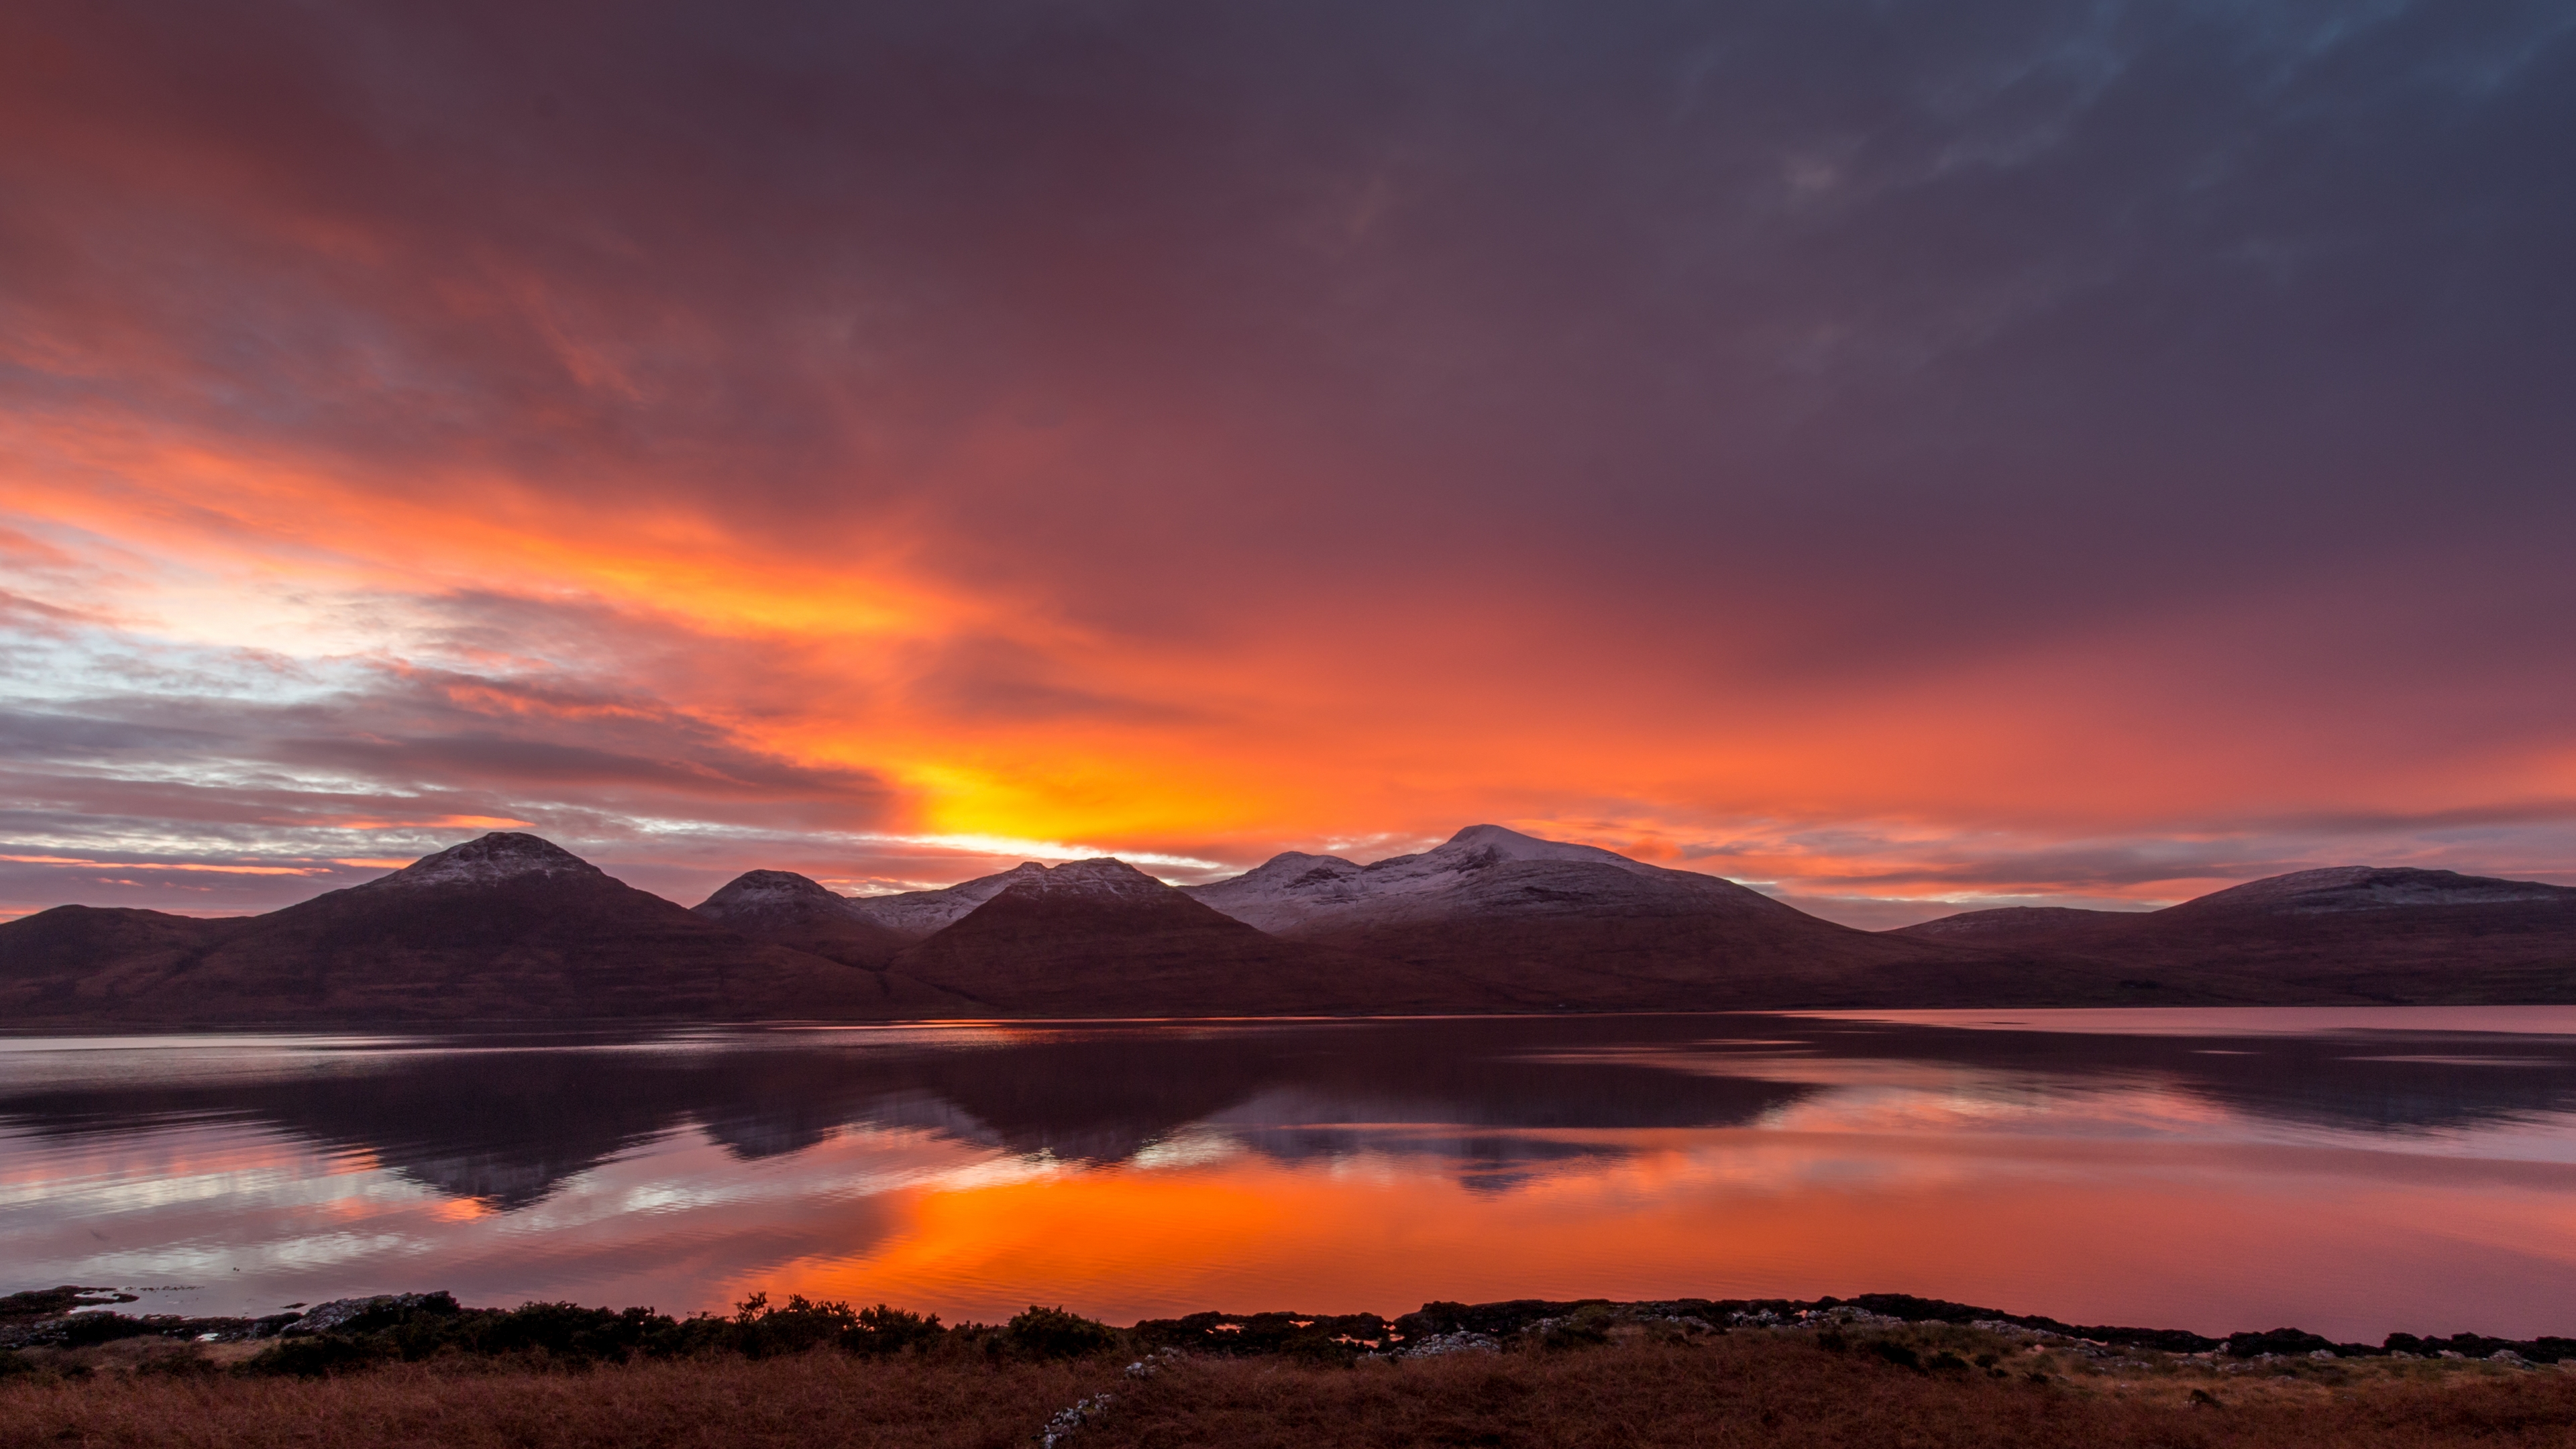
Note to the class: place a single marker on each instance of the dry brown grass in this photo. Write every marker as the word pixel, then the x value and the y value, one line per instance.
pixel 1752 1390
pixel 823 1398
pixel 1747 1389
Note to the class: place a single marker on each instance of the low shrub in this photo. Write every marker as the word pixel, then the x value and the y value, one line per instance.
pixel 885 1330
pixel 320 1356
pixel 570 1336
pixel 1896 1353
pixel 761 1331
pixel 563 1331
pixel 1055 1333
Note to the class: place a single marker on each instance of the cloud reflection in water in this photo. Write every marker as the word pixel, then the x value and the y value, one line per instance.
pixel 2353 1185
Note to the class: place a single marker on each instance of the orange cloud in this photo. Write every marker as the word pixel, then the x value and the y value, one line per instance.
pixel 891 511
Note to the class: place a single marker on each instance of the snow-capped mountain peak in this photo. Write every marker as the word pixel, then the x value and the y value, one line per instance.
pixel 1492 844
pixel 503 855
pixel 1103 878
pixel 764 889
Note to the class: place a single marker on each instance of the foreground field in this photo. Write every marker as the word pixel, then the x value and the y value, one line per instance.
pixel 1765 1387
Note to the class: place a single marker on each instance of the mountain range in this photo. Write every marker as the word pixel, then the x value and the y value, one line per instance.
pixel 512 927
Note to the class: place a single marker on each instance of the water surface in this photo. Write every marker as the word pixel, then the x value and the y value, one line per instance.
pixel 2352 1172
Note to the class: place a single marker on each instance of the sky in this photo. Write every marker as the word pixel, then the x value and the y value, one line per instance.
pixel 1906 457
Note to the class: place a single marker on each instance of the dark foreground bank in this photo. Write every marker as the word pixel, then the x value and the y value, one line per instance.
pixel 419 1369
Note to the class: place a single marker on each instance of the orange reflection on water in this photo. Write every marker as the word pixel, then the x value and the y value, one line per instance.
pixel 2170 1234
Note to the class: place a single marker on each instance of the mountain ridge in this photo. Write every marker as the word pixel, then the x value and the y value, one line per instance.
pixel 2359 933
pixel 512 926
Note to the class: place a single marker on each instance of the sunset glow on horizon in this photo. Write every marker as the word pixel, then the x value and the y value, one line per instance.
pixel 1902 461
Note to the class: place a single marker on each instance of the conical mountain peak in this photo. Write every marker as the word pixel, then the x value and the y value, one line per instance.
pixel 1497 842
pixel 503 855
pixel 754 888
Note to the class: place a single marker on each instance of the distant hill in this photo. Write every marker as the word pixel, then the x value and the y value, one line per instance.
pixel 512 927
pixel 89 962
pixel 2353 934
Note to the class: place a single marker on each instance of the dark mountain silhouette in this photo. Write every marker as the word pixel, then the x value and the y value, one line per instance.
pixel 507 926
pixel 2348 934
pixel 1102 938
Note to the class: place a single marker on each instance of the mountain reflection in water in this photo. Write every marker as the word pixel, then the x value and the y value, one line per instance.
pixel 2399 1174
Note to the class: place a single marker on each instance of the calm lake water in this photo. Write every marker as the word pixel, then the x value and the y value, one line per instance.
pixel 2351 1172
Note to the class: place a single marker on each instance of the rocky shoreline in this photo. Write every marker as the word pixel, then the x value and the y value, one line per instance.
pixel 351 1331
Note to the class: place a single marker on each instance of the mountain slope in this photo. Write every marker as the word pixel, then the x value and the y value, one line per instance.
pixel 1101 938
pixel 507 926
pixel 2356 934
pixel 916 915
pixel 2008 925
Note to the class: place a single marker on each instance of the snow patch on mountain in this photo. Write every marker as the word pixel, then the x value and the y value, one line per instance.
pixel 780 900
pixel 1482 870
pixel 768 889
pixel 919 913
pixel 1103 878
pixel 493 859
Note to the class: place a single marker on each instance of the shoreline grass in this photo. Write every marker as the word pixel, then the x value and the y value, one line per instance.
pixel 1601 1376
pixel 1769 1387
